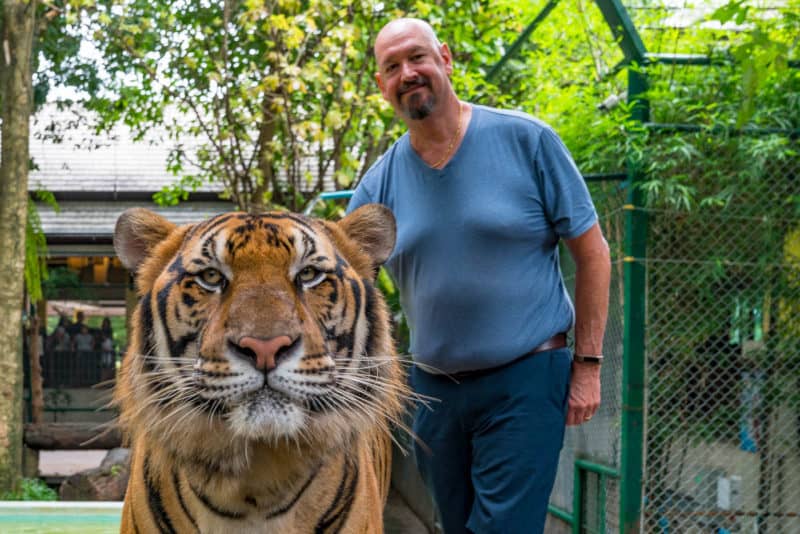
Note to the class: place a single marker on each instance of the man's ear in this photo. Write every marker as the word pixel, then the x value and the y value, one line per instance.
pixel 447 57
pixel 381 86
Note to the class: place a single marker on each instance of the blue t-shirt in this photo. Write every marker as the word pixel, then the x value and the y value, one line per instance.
pixel 476 259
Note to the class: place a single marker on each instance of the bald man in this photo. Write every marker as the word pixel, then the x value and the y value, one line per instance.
pixel 482 198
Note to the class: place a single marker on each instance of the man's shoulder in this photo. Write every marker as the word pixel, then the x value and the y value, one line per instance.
pixel 511 117
pixel 382 167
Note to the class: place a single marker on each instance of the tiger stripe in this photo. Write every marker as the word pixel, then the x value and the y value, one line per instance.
pixel 159 513
pixel 184 508
pixel 336 514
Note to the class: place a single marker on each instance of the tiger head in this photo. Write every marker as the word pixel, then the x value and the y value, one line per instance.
pixel 257 328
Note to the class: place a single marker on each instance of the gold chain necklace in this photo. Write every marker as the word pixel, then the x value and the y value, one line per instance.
pixel 452 141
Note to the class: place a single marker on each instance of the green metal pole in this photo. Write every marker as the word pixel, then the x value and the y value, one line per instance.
pixel 563 515
pixel 594 467
pixel 577 501
pixel 624 30
pixel 633 367
pixel 526 33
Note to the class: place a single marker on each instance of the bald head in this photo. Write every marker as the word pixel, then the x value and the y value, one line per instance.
pixel 405 26
pixel 413 68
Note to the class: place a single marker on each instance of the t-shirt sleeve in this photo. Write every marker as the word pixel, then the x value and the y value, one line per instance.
pixel 567 202
pixel 360 197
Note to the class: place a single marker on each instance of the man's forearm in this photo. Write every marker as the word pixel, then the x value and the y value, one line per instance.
pixel 592 278
pixel 591 306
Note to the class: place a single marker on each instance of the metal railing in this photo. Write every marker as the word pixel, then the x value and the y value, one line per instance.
pixel 77 369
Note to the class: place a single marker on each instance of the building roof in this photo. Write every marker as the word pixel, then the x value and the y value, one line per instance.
pixel 69 156
pixel 96 176
pixel 86 228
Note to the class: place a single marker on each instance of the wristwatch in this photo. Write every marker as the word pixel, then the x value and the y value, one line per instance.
pixel 583 358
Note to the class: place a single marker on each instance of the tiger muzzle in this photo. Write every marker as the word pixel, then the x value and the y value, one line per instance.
pixel 265 354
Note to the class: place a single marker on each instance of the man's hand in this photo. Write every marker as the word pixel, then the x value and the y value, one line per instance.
pixel 584 393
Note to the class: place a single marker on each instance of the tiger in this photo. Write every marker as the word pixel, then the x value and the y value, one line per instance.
pixel 261 382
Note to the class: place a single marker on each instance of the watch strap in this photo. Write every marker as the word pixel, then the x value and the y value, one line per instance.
pixel 582 358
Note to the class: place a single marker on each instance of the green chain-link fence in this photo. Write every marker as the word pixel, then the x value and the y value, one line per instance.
pixel 723 348
pixel 587 480
pixel 722 326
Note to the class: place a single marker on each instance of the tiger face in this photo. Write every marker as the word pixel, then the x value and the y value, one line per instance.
pixel 257 328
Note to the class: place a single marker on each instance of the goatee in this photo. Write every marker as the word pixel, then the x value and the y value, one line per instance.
pixel 418 107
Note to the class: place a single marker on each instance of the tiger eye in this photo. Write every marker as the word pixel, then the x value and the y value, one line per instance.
pixel 211 277
pixel 307 275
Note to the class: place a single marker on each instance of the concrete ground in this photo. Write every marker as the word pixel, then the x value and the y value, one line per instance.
pixel 398 518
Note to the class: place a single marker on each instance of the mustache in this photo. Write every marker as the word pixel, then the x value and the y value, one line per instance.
pixel 420 81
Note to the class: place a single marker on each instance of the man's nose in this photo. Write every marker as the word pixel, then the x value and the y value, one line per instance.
pixel 407 71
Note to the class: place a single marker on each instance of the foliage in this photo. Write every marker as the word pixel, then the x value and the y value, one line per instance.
pixel 55 62
pixel 36 248
pixel 271 99
pixel 63 282
pixel 713 177
pixel 275 100
pixel 31 489
pixel 401 333
pixel 762 54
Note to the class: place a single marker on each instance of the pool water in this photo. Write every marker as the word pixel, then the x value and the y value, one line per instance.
pixel 17 517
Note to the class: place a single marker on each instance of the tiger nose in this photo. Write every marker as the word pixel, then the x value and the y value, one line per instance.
pixel 265 350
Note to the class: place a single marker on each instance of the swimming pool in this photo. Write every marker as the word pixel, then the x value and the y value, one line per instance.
pixel 55 517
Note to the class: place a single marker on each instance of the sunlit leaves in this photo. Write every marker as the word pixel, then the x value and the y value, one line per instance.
pixel 265 87
pixel 735 11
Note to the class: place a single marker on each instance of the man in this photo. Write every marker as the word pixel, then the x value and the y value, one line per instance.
pixel 73 329
pixel 83 341
pixel 481 198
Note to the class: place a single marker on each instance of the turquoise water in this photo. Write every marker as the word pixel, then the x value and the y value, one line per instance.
pixel 58 520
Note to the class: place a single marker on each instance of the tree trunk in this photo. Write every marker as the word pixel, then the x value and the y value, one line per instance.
pixel 16 94
pixel 35 354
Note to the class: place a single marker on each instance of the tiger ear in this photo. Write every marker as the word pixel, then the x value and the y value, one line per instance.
pixel 138 230
pixel 373 228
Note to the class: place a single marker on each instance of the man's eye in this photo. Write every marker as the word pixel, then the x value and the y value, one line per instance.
pixel 211 279
pixel 309 277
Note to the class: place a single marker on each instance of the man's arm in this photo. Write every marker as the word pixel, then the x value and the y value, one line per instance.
pixel 592 279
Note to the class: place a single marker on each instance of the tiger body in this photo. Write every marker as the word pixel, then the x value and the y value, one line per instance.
pixel 261 378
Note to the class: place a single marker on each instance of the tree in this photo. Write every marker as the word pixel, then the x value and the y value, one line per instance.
pixel 275 96
pixel 17 103
pixel 272 99
pixel 38 50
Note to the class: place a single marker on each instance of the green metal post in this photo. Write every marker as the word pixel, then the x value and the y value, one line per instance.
pixel 633 369
pixel 526 33
pixel 623 29
pixel 582 466
pixel 577 501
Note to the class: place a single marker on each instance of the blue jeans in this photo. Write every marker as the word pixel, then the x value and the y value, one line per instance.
pixel 491 443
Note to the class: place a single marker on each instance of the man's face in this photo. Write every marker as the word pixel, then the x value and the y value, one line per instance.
pixel 413 72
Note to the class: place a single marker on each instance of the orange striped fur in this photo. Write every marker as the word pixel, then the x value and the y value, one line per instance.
pixel 261 380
